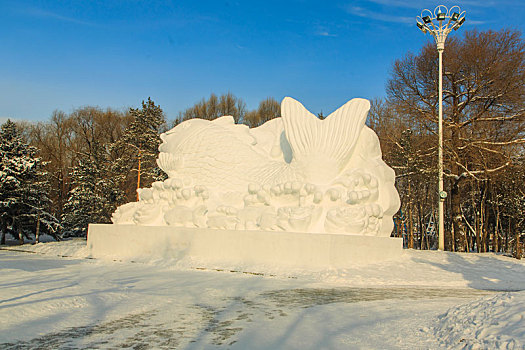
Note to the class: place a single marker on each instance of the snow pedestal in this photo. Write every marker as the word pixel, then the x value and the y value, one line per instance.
pixel 248 250
pixel 295 192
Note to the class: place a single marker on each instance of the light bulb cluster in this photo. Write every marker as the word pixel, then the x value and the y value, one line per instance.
pixel 440 22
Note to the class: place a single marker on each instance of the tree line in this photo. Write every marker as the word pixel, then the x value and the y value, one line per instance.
pixel 86 163
pixel 58 176
pixel 484 137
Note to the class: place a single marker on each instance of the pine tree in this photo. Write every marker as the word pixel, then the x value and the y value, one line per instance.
pixel 23 191
pixel 137 149
pixel 94 195
pixel 38 198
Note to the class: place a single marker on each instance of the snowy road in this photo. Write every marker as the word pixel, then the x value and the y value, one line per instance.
pixel 52 302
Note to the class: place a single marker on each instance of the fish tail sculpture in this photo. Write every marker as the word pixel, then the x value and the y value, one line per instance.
pixel 322 148
pixel 294 173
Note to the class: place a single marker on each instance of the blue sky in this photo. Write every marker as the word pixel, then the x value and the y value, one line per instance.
pixel 68 54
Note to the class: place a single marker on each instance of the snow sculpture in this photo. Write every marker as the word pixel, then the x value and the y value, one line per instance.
pixel 295 173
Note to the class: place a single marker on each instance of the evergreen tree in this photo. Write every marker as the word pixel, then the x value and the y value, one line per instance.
pixel 38 199
pixel 93 196
pixel 23 190
pixel 137 149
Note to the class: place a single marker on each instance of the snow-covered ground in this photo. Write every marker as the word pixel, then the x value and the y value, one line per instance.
pixel 58 298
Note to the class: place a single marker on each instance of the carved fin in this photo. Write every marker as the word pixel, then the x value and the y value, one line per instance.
pixel 333 137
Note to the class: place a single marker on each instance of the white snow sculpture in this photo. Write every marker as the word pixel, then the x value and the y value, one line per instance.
pixel 296 173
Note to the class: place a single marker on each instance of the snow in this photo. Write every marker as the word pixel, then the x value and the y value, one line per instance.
pixel 495 322
pixel 58 297
pixel 74 248
pixel 295 173
pixel 231 249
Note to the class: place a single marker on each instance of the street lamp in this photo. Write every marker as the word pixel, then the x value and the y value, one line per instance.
pixel 440 23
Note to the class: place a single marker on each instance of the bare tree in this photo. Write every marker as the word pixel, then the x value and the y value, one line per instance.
pixel 54 140
pixel 215 107
pixel 268 109
pixel 484 109
pixel 67 139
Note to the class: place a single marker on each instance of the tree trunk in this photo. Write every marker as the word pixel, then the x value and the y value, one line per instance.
pixel 20 235
pixel 410 242
pixel 422 227
pixel 483 228
pixel 479 219
pixel 507 234
pixel 468 241
pixel 4 230
pixel 410 238
pixel 452 233
pixel 476 216
pixel 37 233
pixel 399 232
pixel 457 221
pixel 517 245
pixel 495 240
pixel 478 236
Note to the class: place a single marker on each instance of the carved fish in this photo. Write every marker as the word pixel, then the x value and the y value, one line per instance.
pixel 297 147
pixel 294 173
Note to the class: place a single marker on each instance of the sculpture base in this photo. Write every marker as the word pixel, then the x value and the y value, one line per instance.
pixel 245 250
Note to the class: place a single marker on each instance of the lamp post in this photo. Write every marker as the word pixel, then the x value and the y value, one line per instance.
pixel 440 23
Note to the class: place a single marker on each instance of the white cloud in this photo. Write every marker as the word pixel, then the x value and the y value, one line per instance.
pixel 325 33
pixel 421 4
pixel 390 18
pixel 483 4
pixel 474 23
pixel 399 3
pixel 36 12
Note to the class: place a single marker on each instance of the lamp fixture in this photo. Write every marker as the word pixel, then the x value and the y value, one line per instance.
pixel 434 22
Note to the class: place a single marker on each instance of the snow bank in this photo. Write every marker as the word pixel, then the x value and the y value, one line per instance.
pixel 74 248
pixel 437 269
pixel 495 322
pixel 432 269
